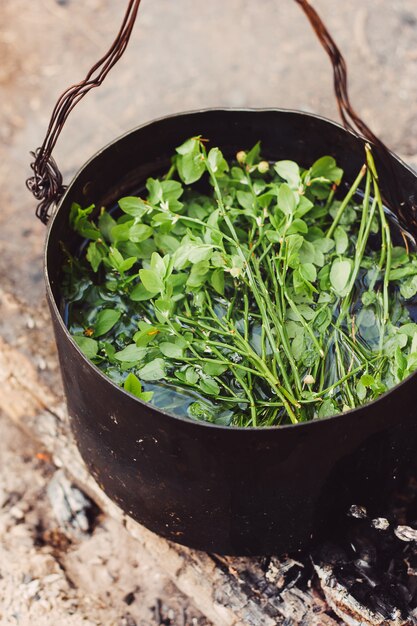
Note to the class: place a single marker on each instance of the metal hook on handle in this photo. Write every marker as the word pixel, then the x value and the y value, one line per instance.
pixel 46 182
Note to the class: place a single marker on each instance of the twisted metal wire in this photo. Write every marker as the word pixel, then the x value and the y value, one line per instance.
pixel 405 209
pixel 46 182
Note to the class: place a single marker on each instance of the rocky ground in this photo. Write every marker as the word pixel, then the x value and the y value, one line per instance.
pixel 183 55
pixel 58 570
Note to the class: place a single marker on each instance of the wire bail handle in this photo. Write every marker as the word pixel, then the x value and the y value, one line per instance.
pixel 46 184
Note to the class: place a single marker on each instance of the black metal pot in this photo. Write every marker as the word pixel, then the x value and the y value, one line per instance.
pixel 237 491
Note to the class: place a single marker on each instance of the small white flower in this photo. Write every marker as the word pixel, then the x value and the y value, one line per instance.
pixel 263 167
pixel 235 271
pixel 309 380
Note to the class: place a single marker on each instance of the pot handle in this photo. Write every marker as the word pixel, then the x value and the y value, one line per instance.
pixel 46 183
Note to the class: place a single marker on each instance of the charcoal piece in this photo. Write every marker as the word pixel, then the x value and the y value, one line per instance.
pixel 380 523
pixel 406 533
pixel 387 599
pixel 331 553
pixel 357 511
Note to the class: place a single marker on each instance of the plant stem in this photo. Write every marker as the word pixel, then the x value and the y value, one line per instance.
pixel 346 201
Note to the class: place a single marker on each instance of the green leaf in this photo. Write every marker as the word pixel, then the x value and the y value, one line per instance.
pixel 209 386
pixel 200 252
pixel 214 369
pixel 88 346
pixel 109 350
pixel 368 298
pixel 95 254
pixel 191 167
pixel 409 329
pixel 180 257
pixel 192 145
pixel 307 252
pixel 401 362
pixel 392 343
pixel 298 226
pixel 145 335
pixel 253 154
pixel 198 274
pixel 289 171
pixel 131 354
pixel 408 288
pixel 402 272
pixel 133 385
pixel 308 272
pixel 166 243
pixel 341 240
pixel 154 188
pixel 326 168
pixel 134 206
pixel 77 213
pixel 216 161
pixel 146 396
pixel 327 409
pixel 171 190
pixel 217 280
pixel 349 215
pixel 274 236
pixel 191 375
pixel 306 311
pixel 118 262
pixel 154 370
pixel 80 223
pixel 367 380
pixel 127 264
pixel 201 411
pixel 246 200
pixel 159 264
pixel 287 200
pixel 361 391
pixel 151 281
pixel 105 224
pixel 140 232
pixel 304 206
pixel 297 346
pixel 171 350
pixel 339 275
pixel 121 232
pixel 163 309
pixel 140 294
pixel 323 244
pixel 105 321
pixel 366 318
pixel 323 320
pixel 294 243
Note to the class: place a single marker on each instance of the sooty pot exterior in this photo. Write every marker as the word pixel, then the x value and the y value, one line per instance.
pixel 232 491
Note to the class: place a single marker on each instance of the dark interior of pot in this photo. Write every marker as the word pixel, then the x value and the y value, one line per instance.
pixel 190 486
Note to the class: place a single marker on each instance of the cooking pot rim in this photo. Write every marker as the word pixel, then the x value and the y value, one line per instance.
pixel 202 423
